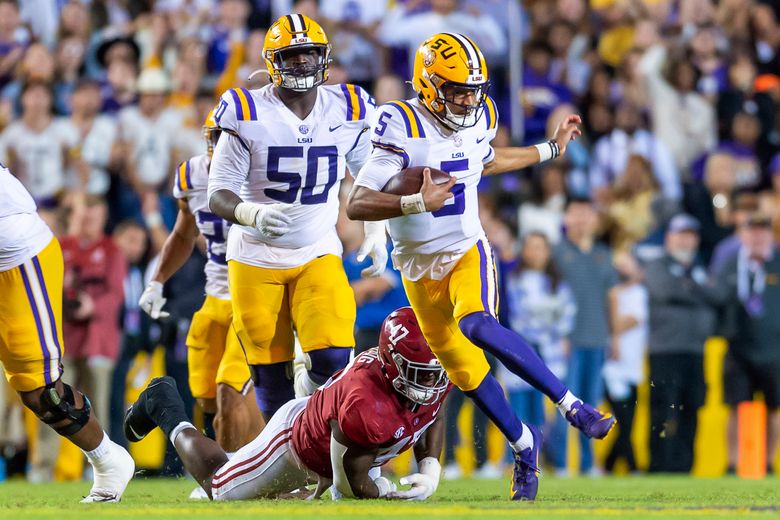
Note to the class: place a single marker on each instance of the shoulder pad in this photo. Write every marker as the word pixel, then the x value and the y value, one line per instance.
pixel 183 180
pixel 491 113
pixel 358 102
pixel 235 105
pixel 410 117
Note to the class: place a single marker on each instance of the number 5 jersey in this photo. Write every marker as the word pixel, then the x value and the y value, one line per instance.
pixel 403 135
pixel 271 156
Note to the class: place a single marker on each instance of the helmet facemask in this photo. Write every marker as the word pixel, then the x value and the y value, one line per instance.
pixel 421 383
pixel 297 75
pixel 450 95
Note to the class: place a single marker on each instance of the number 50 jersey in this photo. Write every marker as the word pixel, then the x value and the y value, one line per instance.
pixel 271 156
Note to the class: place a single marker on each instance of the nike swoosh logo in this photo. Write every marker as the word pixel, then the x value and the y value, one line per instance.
pixel 334 128
pixel 480 140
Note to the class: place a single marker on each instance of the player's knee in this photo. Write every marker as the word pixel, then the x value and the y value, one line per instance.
pixel 66 410
pixel 273 386
pixel 477 326
pixel 323 363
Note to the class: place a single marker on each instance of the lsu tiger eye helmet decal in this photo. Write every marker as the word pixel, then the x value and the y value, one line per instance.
pixel 451 79
pixel 297 53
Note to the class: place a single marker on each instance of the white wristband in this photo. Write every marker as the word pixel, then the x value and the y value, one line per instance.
pixel 430 466
pixel 246 213
pixel 411 204
pixel 549 150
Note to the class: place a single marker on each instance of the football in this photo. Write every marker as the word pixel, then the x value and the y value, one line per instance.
pixel 409 181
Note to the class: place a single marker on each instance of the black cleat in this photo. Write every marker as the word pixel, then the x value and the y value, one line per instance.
pixel 140 418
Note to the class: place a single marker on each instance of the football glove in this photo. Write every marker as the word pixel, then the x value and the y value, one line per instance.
pixel 375 246
pixel 424 483
pixel 152 301
pixel 268 219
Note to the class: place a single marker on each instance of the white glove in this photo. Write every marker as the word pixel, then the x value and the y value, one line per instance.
pixel 268 219
pixel 152 301
pixel 374 245
pixel 384 486
pixel 424 483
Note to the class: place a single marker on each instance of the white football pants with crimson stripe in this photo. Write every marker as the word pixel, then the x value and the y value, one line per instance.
pixel 267 466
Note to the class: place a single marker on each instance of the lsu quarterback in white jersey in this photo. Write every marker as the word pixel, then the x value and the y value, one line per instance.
pixel 218 374
pixel 276 173
pixel 446 261
pixel 31 346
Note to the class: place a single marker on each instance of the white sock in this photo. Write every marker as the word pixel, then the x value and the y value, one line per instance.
pixel 184 425
pixel 565 404
pixel 99 453
pixel 525 441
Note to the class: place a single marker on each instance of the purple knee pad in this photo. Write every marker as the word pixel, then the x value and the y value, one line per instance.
pixel 273 386
pixel 326 362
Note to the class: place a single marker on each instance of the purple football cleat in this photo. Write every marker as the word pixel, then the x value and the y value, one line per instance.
pixel 525 476
pixel 591 422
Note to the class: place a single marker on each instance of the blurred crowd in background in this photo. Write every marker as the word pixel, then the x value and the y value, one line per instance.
pixel 656 231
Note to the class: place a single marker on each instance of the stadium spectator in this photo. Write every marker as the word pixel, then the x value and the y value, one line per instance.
pixel 770 199
pixel 750 280
pixel 131 239
pixel 745 205
pixel 13 40
pixel 624 370
pixel 586 266
pixel 352 26
pixel 710 201
pixel 743 96
pixel 541 92
pixel 39 147
pixel 543 211
pixel 452 439
pixel 96 136
pixel 95 269
pixel 611 155
pixel 682 317
pixel 388 87
pixel 681 118
pixel 542 309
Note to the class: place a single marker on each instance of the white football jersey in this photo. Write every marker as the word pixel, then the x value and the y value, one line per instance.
pixel 40 156
pixel 23 234
pixel 191 185
pixel 300 163
pixel 405 134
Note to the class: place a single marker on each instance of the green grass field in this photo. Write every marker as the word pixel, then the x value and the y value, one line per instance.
pixel 628 497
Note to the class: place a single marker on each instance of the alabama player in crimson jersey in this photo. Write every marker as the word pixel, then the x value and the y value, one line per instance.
pixel 387 400
pixel 447 265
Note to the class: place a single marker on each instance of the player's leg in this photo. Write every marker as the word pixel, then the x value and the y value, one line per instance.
pixel 323 309
pixel 238 419
pixel 161 405
pixel 469 370
pixel 266 467
pixel 261 318
pixel 474 292
pixel 31 349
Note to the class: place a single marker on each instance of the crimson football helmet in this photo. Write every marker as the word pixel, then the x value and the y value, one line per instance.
pixel 408 361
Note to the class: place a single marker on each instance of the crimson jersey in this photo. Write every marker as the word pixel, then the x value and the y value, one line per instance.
pixel 369 412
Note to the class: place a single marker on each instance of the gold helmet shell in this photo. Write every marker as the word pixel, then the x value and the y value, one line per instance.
pixel 296 31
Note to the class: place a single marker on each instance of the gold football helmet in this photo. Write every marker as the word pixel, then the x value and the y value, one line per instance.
pixel 290 36
pixel 211 131
pixel 448 67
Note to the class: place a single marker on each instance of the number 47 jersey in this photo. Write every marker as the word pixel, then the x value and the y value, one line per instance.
pixel 405 134
pixel 270 156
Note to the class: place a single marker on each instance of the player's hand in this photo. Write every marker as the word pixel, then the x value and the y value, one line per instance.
pixel 375 246
pixel 567 130
pixel 435 195
pixel 423 487
pixel 271 221
pixel 384 486
pixel 152 301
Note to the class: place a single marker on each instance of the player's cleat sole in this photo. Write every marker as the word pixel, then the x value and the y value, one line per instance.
pixel 139 417
pixel 590 421
pixel 525 475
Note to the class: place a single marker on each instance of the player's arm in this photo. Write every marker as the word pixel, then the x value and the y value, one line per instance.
pixel 350 463
pixel 368 204
pixel 176 249
pixel 427 451
pixel 513 158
